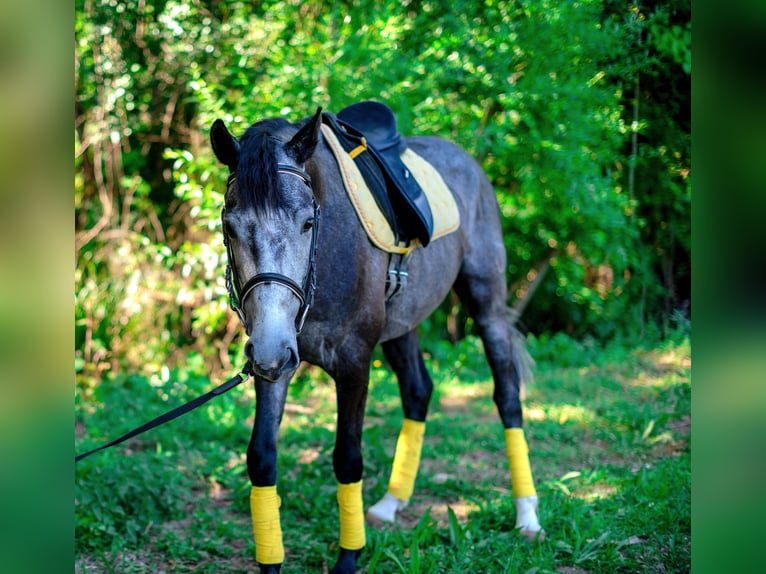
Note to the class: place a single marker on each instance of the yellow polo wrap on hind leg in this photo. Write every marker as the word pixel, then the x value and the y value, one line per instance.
pixel 350 508
pixel 518 460
pixel 406 459
pixel 267 531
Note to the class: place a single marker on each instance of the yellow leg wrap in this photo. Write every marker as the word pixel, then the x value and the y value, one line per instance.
pixel 267 531
pixel 406 459
pixel 518 460
pixel 352 536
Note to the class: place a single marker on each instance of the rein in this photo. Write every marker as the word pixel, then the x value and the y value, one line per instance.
pixel 238 292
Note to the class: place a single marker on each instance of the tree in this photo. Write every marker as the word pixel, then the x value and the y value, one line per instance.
pixel 595 204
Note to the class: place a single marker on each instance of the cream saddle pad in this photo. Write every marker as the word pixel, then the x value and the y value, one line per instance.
pixel 443 207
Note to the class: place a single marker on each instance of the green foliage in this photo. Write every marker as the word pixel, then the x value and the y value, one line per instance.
pixel 121 506
pixel 609 446
pixel 561 349
pixel 654 80
pixel 578 113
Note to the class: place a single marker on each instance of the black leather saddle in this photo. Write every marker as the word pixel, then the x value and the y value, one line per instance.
pixel 367 131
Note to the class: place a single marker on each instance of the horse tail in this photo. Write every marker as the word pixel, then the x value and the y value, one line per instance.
pixel 523 362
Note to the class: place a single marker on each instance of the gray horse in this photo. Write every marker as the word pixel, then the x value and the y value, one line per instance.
pixel 317 293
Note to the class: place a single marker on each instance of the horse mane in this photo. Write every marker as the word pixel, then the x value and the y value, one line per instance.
pixel 257 175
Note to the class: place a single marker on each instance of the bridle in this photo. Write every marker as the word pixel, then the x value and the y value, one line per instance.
pixel 238 292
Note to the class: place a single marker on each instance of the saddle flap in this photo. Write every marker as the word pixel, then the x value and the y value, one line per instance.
pixel 377 123
pixel 362 194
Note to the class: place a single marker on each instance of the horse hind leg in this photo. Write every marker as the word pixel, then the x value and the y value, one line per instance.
pixel 485 300
pixel 416 387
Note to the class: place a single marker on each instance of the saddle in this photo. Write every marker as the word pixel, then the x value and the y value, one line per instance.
pixel 367 132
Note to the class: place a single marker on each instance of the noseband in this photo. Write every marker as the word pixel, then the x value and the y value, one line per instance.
pixel 238 292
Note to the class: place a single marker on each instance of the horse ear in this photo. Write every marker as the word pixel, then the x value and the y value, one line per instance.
pixel 225 145
pixel 303 144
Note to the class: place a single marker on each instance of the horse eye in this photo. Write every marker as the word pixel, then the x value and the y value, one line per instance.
pixel 228 229
pixel 308 224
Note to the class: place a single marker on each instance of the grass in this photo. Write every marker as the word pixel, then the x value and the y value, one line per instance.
pixel 610 447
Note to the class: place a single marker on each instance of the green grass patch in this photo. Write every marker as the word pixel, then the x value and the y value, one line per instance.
pixel 609 434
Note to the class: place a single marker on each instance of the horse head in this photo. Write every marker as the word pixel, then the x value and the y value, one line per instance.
pixel 270 224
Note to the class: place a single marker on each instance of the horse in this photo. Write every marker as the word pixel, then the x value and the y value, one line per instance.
pixel 310 286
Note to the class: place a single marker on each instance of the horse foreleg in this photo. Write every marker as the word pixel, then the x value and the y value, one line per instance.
pixel 267 530
pixel 352 531
pixel 262 470
pixel 415 386
pixel 347 462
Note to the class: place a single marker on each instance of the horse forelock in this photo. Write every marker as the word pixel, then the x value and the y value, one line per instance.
pixel 257 175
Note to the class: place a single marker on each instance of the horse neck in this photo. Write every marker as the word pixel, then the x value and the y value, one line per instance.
pixel 326 178
pixel 342 237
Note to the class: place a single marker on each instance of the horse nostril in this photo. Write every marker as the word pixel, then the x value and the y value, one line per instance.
pixel 249 348
pixel 292 360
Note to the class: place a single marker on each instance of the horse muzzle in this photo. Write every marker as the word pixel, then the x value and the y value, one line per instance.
pixel 272 362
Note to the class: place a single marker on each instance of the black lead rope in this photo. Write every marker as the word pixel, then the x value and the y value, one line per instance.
pixel 240 377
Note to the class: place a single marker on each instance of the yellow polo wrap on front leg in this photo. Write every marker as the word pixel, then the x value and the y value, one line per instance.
pixel 406 459
pixel 518 461
pixel 350 508
pixel 267 531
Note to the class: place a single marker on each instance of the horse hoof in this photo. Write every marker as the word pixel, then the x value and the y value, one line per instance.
pixel 533 535
pixel 346 562
pixel 384 512
pixel 377 522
